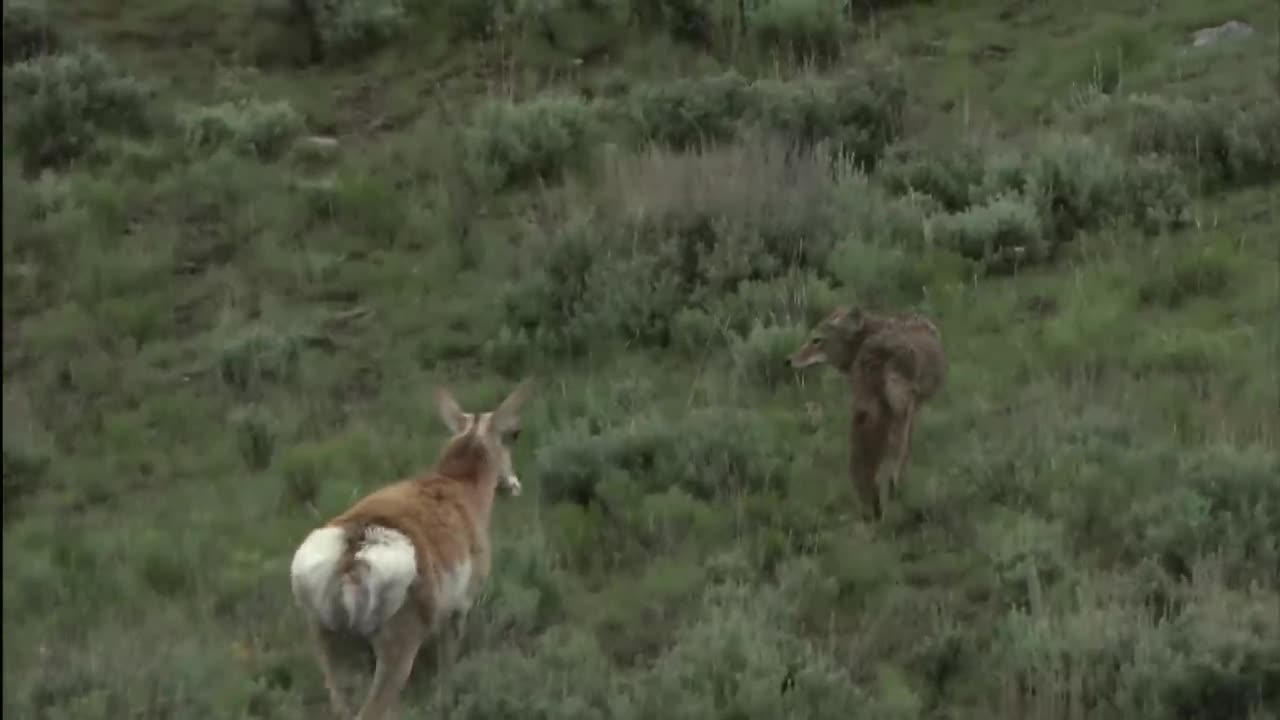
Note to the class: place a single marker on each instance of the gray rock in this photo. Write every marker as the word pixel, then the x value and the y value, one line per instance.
pixel 1229 30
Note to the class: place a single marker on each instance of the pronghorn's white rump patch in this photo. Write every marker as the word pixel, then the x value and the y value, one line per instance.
pixel 385 566
pixel 454 592
pixel 313 573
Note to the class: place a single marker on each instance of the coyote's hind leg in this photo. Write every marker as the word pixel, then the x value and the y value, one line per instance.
pixel 869 436
pixel 902 411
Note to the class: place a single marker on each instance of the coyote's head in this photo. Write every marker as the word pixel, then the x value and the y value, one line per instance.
pixel 833 341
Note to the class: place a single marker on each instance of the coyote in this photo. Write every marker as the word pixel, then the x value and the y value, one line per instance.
pixel 405 563
pixel 894 365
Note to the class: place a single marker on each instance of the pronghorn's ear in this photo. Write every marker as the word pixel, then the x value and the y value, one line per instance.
pixel 507 416
pixel 449 410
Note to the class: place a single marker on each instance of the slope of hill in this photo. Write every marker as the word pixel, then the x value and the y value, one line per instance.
pixel 241 245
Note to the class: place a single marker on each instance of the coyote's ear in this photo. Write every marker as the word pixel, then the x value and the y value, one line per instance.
pixel 849 317
pixel 507 416
pixel 450 413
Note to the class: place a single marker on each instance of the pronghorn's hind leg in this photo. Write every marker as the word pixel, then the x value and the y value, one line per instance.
pixel 396 645
pixel 322 644
pixel 449 641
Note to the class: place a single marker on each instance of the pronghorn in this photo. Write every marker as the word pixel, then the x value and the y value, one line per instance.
pixel 405 563
pixel 894 364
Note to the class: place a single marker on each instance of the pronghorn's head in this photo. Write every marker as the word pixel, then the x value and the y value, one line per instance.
pixel 832 341
pixel 492 434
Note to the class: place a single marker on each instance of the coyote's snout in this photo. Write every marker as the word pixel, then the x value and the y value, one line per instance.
pixel 812 352
pixel 894 364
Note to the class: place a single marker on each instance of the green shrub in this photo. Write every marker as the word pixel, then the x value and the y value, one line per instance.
pixel 690 111
pixel 1028 556
pixel 875 273
pixel 707 454
pixel 63 102
pixel 252 128
pixel 677 231
pixel 574 28
pixel 302 470
pixel 760 357
pixel 1218 654
pixel 896 274
pixel 1074 183
pixel 256 355
pixel 547 309
pixel 510 144
pixel 952 175
pixel 667 520
pixel 1223 657
pixel 1226 145
pixel 1001 234
pixel 626 523
pixel 726 215
pixel 28 454
pixel 699 22
pixel 731 660
pixel 524 597
pixel 1158 196
pixel 883 219
pixel 1078 184
pixel 1192 272
pixel 1242 504
pixel 255 430
pixel 798 297
pixel 28 30
pixel 806 28
pixel 364 203
pixel 346 29
pixel 1186 352
pixel 587 294
pixel 473 19
pixel 696 332
pixel 563 674
pixel 855 113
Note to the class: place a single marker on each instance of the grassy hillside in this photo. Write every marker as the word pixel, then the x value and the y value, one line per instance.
pixel 241 246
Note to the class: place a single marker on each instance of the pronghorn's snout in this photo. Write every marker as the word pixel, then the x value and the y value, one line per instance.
pixel 510 484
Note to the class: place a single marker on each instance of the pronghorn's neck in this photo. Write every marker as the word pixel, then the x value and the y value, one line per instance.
pixel 466 461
